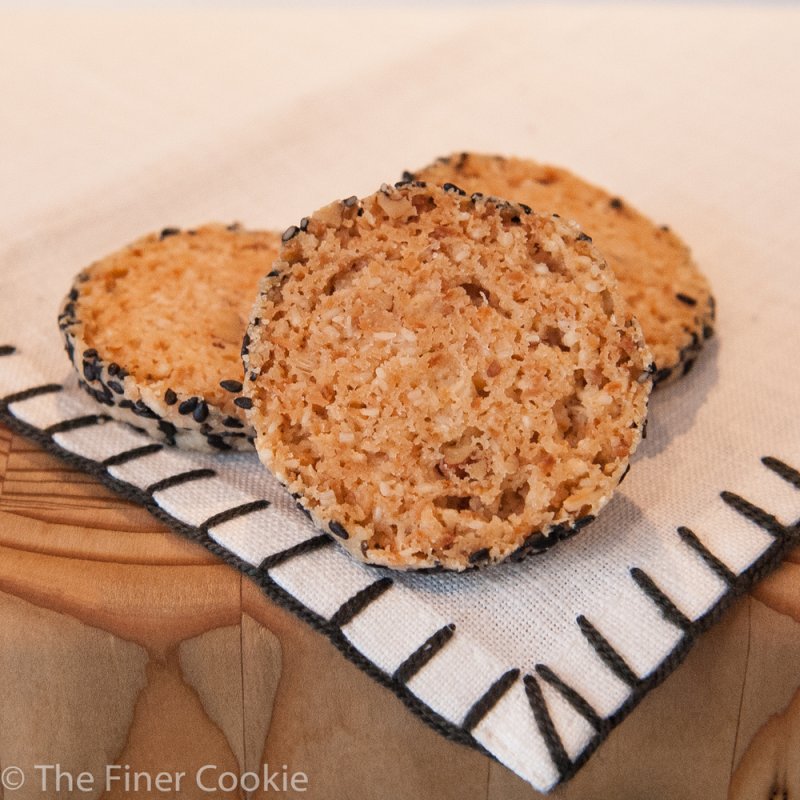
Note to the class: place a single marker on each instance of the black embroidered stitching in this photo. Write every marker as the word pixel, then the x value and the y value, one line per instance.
pixel 233 513
pixel 572 696
pixel 424 653
pixel 610 657
pixel 7 349
pixel 766 563
pixel 179 479
pixel 28 394
pixel 544 723
pixel 786 472
pixel 348 610
pixel 755 514
pixel 489 699
pixel 262 578
pixel 131 455
pixel 720 569
pixel 668 609
pixel 307 546
pixel 76 423
pixel 769 560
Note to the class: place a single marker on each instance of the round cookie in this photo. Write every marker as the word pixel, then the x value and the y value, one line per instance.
pixel 444 381
pixel 657 276
pixel 155 332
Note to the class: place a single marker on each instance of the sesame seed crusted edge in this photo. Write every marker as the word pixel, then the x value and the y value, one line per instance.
pixel 185 421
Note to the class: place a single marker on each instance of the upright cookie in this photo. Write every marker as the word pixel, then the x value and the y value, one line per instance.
pixel 444 380
pixel 657 276
pixel 155 332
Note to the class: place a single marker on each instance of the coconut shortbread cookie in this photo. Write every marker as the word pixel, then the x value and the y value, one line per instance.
pixel 657 276
pixel 444 380
pixel 155 332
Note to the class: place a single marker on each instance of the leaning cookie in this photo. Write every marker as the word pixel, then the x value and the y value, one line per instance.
pixel 155 332
pixel 444 380
pixel 657 276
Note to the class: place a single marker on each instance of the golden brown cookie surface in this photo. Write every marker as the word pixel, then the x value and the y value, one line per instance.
pixel 155 331
pixel 657 276
pixel 444 380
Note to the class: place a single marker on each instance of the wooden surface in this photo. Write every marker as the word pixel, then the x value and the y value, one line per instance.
pixel 122 643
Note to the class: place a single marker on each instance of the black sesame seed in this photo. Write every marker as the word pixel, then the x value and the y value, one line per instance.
pixel 126 403
pixel 170 398
pixel 687 367
pixel 558 532
pixel 537 541
pixel 615 202
pixel 113 368
pixel 583 237
pixel 232 422
pixel 167 428
pixel 73 295
pixel 662 375
pixel 143 410
pixel 116 387
pixel 557 216
pixel 708 331
pixel 304 224
pixel 526 208
pixel 169 232
pixel 479 555
pixel 665 228
pixel 408 176
pixel 516 220
pixel 685 298
pixel 349 202
pixel 188 406
pixel 89 371
pixel 217 442
pixel 90 353
pixel 234 226
pixel 290 233
pixel 200 414
pixel 273 274
pixel 624 474
pixel 584 521
pixel 243 402
pixel 337 529
pixel 451 187
pixel 246 344
pixel 231 386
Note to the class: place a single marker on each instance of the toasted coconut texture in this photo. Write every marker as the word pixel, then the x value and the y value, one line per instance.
pixel 657 276
pixel 155 332
pixel 443 380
